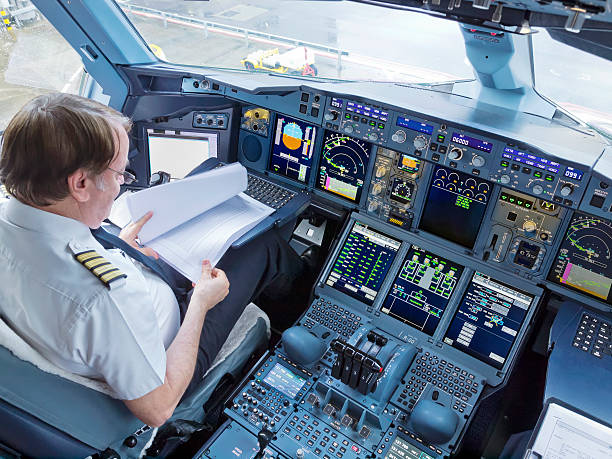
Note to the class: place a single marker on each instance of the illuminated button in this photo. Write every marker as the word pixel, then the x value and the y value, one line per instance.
pixel 442 149
pixel 433 147
pixel 504 164
pixel 347 116
pixel 549 177
pixel 381 126
pixel 435 157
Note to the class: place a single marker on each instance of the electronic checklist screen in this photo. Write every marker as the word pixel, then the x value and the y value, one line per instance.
pixel 363 262
pixel 421 290
pixel 292 148
pixel 179 152
pixel 488 319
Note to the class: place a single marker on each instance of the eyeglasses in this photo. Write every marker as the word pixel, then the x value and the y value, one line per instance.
pixel 128 177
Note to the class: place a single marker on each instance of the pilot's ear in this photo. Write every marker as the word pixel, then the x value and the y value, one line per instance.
pixel 79 183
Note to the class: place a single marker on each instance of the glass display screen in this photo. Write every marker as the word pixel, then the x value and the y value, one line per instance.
pixel 363 262
pixel 414 125
pixel 401 449
pixel 408 163
pixel 344 164
pixel 471 142
pixel 421 290
pixel 455 206
pixel 488 319
pixel 584 260
pixel 573 173
pixel 292 148
pixel 284 380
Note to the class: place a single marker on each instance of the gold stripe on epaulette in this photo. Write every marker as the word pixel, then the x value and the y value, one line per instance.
pixel 100 267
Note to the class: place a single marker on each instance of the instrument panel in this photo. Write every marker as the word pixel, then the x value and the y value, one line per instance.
pixel 432 287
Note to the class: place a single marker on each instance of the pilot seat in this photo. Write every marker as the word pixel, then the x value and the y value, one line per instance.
pixel 46 412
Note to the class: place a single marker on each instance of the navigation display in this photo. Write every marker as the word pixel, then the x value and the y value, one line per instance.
pixel 292 148
pixel 455 206
pixel 284 380
pixel 344 164
pixel 488 319
pixel 584 261
pixel 421 290
pixel 363 263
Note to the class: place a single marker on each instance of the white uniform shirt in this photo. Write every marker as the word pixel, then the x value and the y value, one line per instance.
pixel 73 319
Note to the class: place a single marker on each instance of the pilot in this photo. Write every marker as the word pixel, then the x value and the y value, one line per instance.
pixel 106 313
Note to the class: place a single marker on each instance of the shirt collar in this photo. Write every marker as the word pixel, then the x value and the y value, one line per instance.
pixel 41 221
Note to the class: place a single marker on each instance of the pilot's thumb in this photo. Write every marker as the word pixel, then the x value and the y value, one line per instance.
pixel 206 269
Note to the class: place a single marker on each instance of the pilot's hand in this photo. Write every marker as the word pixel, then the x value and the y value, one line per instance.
pixel 211 288
pixel 130 235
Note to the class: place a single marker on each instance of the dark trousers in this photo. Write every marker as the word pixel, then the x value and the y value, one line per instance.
pixel 266 262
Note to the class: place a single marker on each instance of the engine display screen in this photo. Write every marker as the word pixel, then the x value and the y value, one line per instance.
pixel 363 263
pixel 292 148
pixel 408 163
pixel 455 206
pixel 421 290
pixel 488 319
pixel 284 380
pixel 584 260
pixel 344 164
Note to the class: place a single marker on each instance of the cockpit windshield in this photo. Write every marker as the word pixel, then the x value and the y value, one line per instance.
pixel 353 41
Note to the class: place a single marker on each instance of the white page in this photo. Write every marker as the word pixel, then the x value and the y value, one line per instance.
pixel 120 214
pixel 564 434
pixel 209 235
pixel 176 202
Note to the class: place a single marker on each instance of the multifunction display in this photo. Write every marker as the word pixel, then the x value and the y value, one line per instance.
pixel 421 290
pixel 363 263
pixel 455 206
pixel 584 261
pixel 344 164
pixel 293 148
pixel 284 380
pixel 488 319
pixel 401 449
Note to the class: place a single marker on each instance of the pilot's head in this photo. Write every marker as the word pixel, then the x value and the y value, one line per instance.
pixel 66 154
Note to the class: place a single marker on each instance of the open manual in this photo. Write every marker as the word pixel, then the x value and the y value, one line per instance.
pixel 195 218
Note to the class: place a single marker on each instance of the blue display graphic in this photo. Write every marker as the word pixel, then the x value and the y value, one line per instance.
pixel 293 148
pixel 414 125
pixel 363 263
pixel 488 319
pixel 421 290
pixel 455 206
pixel 471 142
pixel 573 173
pixel 284 380
pixel 530 160
pixel 344 164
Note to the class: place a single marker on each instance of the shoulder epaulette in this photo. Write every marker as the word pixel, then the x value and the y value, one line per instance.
pixel 103 269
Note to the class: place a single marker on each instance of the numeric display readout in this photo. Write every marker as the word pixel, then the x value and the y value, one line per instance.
pixel 488 320
pixel 421 290
pixel 363 262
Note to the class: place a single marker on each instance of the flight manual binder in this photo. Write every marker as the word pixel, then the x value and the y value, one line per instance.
pixel 195 218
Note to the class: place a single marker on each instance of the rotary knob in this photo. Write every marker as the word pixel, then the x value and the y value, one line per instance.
pixel 419 142
pixel 399 136
pixel 331 116
pixel 504 179
pixel 348 128
pixel 478 161
pixel 373 137
pixel 455 154
pixel 372 206
pixel 377 189
pixel 529 226
pixel 537 189
pixel 381 171
pixel 566 190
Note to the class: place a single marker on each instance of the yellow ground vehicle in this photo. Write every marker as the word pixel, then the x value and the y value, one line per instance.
pixel 297 60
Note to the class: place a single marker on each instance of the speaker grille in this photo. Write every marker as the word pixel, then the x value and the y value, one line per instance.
pixel 251 148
